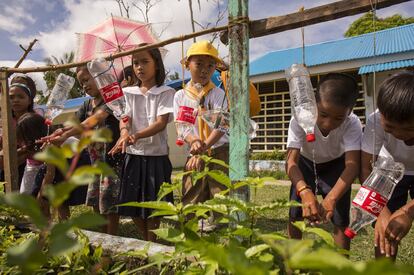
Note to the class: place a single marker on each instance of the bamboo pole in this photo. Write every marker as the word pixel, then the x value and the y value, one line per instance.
pixel 239 95
pixel 26 52
pixel 8 138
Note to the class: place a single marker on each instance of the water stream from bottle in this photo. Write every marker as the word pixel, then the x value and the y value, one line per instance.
pixel 315 172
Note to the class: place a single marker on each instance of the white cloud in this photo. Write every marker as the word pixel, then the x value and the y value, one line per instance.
pixel 37 77
pixel 14 17
pixel 172 15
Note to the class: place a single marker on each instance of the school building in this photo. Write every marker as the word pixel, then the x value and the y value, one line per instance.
pixel 394 50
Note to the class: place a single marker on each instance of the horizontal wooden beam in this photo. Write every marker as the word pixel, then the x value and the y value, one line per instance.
pixel 312 16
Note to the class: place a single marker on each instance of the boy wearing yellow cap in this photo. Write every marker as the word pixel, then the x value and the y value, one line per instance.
pixel 202 60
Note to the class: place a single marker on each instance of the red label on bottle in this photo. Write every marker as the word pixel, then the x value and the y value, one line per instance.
pixel 186 114
pixel 370 201
pixel 111 92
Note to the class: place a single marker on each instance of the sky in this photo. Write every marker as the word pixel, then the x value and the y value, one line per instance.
pixel 55 24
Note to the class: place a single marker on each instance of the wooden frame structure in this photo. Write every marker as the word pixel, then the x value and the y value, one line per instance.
pixel 240 29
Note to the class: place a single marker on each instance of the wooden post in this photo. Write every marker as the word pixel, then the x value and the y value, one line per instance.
pixel 9 138
pixel 239 93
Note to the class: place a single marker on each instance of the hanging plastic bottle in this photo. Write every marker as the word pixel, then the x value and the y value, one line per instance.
pixel 58 97
pixel 220 120
pixel 109 87
pixel 302 98
pixel 374 194
pixel 186 118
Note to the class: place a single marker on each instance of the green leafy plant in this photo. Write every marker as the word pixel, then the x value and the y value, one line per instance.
pixel 238 245
pixel 31 252
pixel 272 155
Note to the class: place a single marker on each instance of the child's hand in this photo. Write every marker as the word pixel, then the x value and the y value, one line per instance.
pixel 55 138
pixel 310 206
pixel 398 226
pixel 121 144
pixel 197 147
pixel 194 163
pixel 328 206
pixel 379 233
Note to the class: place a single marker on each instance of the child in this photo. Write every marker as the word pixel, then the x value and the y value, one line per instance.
pixel 144 139
pixel 103 194
pixel 337 153
pixel 22 93
pixel 202 60
pixel 393 124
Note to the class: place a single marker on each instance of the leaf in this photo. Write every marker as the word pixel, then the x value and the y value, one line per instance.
pixel 169 234
pixel 101 135
pixel 323 234
pixel 158 205
pixel 220 177
pixel 54 155
pixel 88 220
pixel 105 169
pixel 27 205
pixel 166 188
pixel 57 194
pixel 300 225
pixel 242 231
pixel 219 162
pixel 196 176
pixel 254 250
pixel 319 260
pixel 28 255
pixel 62 244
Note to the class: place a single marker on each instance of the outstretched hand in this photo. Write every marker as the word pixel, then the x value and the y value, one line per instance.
pixel 310 207
pixel 57 137
pixel 122 144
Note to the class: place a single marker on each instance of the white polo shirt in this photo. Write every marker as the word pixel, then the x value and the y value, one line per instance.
pixel 386 144
pixel 214 100
pixel 143 109
pixel 347 137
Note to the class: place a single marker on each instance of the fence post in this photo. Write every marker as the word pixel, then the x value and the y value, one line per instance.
pixel 11 173
pixel 239 93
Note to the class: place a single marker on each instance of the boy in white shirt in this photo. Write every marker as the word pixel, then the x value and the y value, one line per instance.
pixel 202 60
pixel 337 156
pixel 393 124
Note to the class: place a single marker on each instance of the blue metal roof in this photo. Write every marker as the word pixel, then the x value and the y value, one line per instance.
pixel 386 66
pixel 389 41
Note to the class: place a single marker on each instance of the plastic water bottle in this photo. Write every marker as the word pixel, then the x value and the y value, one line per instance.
pixel 58 97
pixel 302 98
pixel 186 118
pixel 109 87
pixel 220 120
pixel 374 194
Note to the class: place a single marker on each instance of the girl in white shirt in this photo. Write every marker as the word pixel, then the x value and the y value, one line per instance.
pixel 144 139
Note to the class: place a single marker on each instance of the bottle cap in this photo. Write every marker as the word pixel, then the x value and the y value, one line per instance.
pixel 179 142
pixel 310 137
pixel 350 233
pixel 48 122
pixel 125 119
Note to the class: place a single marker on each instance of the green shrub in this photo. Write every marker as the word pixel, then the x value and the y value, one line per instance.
pixel 272 155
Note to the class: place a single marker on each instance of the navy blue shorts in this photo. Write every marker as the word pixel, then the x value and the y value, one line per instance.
pixel 328 174
pixel 400 195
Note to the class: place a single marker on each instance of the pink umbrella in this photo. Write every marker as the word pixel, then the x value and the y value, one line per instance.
pixel 114 35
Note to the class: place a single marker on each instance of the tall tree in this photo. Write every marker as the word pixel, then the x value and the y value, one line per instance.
pixel 364 24
pixel 51 76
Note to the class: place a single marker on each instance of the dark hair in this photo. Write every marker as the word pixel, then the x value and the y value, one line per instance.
pixel 396 97
pixel 338 88
pixel 31 127
pixel 26 80
pixel 159 66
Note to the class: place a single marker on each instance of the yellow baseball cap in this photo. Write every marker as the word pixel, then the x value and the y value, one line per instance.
pixel 204 47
